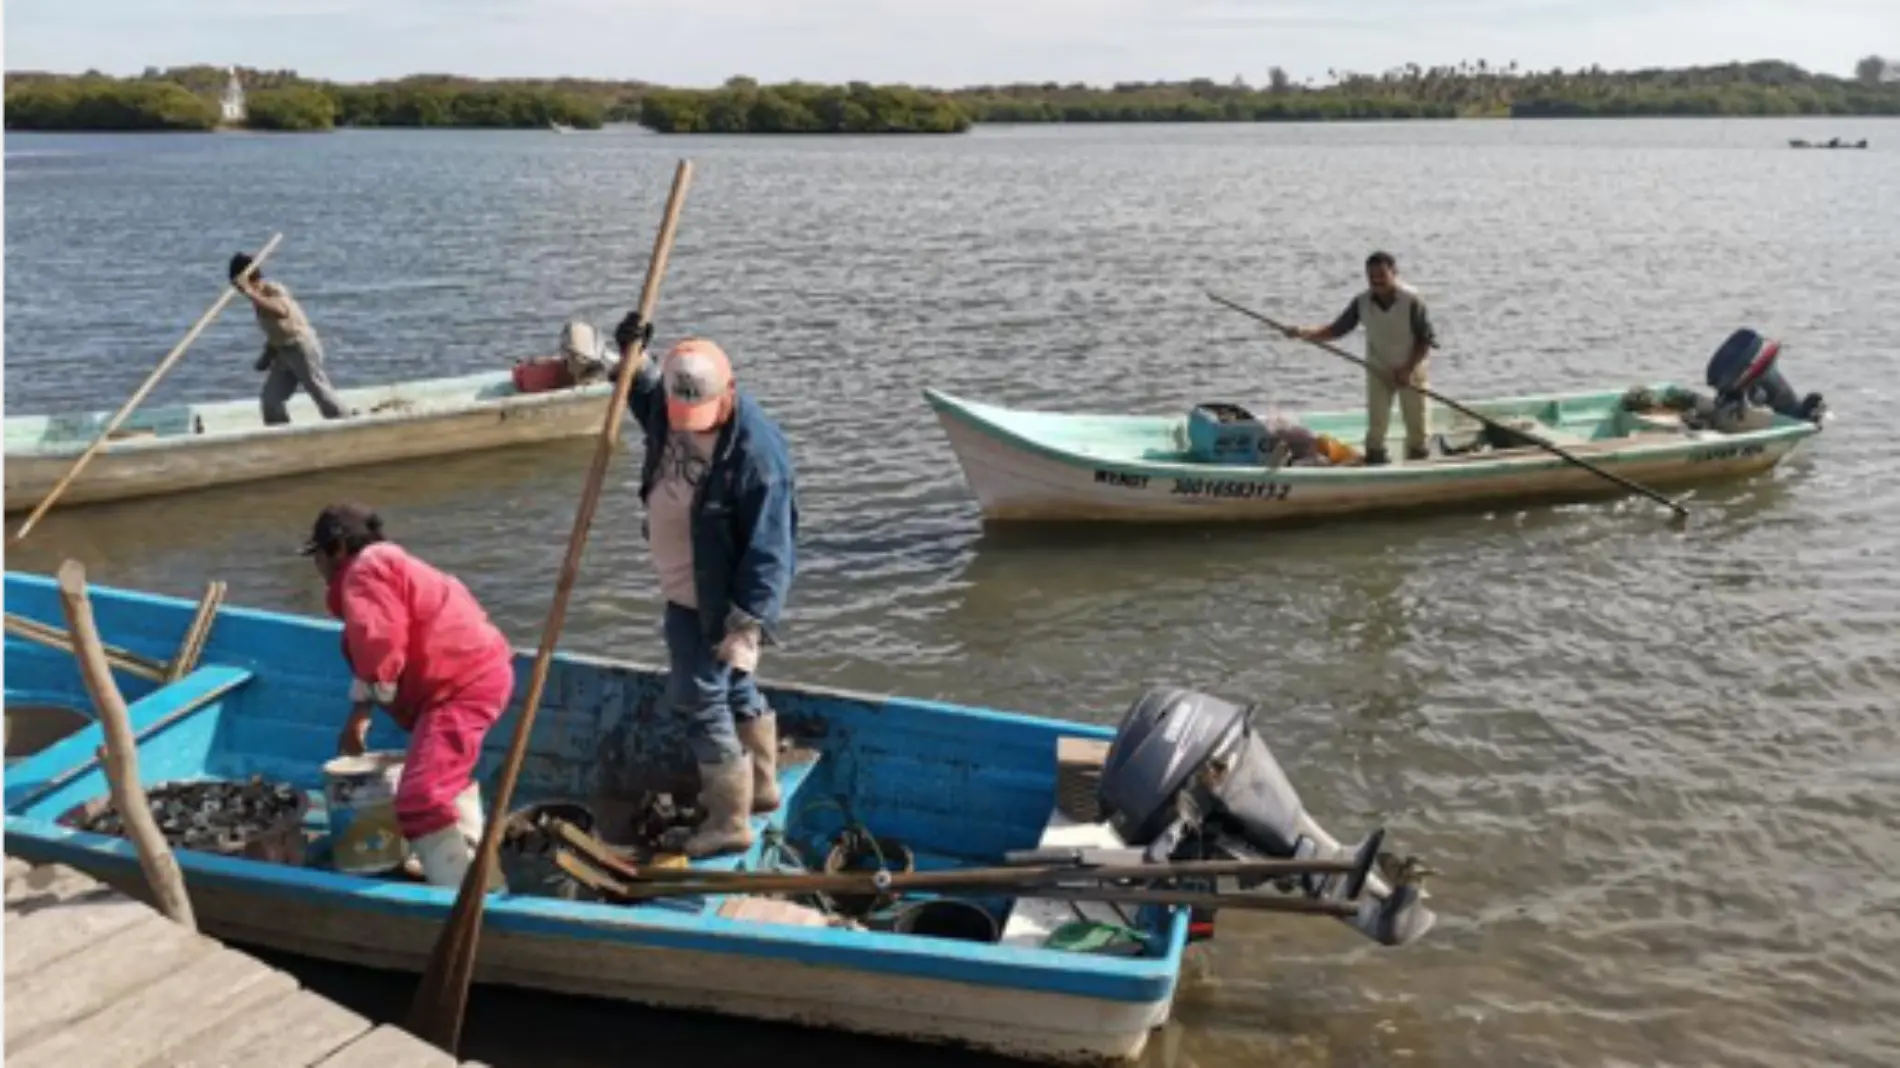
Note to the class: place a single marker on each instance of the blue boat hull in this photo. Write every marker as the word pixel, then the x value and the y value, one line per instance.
pixel 960 786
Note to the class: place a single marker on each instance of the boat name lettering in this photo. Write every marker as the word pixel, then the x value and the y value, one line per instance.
pixel 1217 487
pixel 1116 478
pixel 1727 452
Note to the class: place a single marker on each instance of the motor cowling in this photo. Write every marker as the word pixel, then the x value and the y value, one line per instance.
pixel 1743 372
pixel 1187 777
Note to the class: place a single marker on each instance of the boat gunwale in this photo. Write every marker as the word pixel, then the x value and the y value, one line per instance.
pixel 31 451
pixel 1105 978
pixel 1532 459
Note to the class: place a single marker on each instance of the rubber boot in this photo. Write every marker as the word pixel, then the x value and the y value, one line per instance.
pixel 1375 457
pixel 469 825
pixel 1414 455
pixel 445 856
pixel 759 735
pixel 725 800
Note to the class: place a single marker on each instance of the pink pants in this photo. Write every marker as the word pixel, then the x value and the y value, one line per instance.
pixel 443 750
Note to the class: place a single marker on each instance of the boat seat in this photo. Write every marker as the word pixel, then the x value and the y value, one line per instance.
pixel 196 695
pixel 1032 919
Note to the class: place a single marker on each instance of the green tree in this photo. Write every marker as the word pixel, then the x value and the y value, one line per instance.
pixel 299 108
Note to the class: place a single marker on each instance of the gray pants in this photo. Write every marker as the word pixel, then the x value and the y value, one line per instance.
pixel 299 363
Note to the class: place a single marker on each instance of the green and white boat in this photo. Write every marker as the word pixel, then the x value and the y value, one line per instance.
pixel 1215 462
pixel 185 447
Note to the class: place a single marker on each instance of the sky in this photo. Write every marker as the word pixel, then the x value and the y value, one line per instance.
pixel 968 42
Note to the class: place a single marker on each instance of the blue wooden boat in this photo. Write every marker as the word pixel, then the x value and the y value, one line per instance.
pixel 957 786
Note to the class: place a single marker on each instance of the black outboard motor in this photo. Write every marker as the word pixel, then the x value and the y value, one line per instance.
pixel 1187 776
pixel 1742 372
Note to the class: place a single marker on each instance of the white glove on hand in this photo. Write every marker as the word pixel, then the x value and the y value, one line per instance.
pixel 381 693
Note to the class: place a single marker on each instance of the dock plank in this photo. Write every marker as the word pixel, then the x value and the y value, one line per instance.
pixel 388 1047
pixel 98 978
pixel 79 984
pixel 298 1030
pixel 52 882
pixel 219 985
pixel 37 937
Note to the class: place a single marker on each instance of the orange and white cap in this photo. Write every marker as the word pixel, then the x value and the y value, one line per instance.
pixel 698 379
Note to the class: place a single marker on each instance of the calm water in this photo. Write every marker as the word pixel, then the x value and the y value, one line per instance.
pixel 1660 771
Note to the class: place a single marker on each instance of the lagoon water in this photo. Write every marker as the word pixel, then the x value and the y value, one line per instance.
pixel 1658 770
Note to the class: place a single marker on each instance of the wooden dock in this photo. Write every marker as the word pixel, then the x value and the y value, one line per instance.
pixel 96 979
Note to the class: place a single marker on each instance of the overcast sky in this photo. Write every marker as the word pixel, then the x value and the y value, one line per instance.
pixel 702 42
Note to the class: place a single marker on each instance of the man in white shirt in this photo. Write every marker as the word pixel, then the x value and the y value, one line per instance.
pixel 1399 343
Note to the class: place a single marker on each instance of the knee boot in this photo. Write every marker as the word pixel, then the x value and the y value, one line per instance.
pixel 759 735
pixel 725 803
pixel 449 861
pixel 445 856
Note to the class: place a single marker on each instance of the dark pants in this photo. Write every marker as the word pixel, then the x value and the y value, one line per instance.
pixel 704 692
pixel 299 363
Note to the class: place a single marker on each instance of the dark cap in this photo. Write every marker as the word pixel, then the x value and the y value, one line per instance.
pixel 343 523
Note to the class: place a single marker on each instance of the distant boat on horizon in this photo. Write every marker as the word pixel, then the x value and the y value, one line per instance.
pixel 1795 142
pixel 559 127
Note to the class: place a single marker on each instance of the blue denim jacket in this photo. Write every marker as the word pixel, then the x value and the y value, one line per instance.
pixel 745 513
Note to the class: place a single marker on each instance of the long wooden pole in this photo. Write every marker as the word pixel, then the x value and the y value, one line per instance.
pixel 53 638
pixel 121 757
pixel 1561 453
pixel 151 380
pixel 442 996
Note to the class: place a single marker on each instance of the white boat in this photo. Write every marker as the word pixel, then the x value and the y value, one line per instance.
pixel 176 449
pixel 1031 466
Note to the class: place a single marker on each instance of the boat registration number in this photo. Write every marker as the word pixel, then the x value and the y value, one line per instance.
pixel 1727 452
pixel 1232 489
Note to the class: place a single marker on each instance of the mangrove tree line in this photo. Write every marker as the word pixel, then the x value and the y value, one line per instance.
pixel 185 98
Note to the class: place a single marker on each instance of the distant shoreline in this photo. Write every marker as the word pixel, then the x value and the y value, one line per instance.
pixel 185 100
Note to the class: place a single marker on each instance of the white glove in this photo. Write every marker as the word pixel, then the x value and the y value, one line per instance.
pixel 382 692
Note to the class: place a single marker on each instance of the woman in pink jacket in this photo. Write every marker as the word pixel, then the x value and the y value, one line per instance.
pixel 420 646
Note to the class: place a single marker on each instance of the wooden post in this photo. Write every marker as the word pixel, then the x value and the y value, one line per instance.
pixel 120 756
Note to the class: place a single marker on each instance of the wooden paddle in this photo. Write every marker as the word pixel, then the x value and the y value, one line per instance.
pixel 442 996
pixel 1681 512
pixel 622 892
pixel 230 293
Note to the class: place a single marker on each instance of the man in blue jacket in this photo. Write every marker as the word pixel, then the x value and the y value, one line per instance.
pixel 722 519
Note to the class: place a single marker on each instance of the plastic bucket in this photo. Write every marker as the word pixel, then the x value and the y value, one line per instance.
pixel 360 792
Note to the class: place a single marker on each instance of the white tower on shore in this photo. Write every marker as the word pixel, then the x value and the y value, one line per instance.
pixel 232 103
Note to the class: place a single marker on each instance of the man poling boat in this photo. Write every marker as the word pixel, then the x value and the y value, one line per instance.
pixel 722 517
pixel 292 354
pixel 1399 343
pixel 420 647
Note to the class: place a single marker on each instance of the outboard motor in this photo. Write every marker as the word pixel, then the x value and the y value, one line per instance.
pixel 1742 372
pixel 1186 776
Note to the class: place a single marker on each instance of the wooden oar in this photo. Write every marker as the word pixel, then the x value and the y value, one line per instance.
pixel 622 892
pixel 1557 450
pixel 442 996
pixel 602 856
pixel 52 637
pixel 230 292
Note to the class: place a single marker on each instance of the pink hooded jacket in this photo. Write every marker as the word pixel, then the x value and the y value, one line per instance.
pixel 406 623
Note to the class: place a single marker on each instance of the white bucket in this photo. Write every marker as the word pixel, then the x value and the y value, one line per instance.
pixel 360 793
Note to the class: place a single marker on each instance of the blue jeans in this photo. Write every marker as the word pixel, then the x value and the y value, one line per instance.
pixel 708 695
